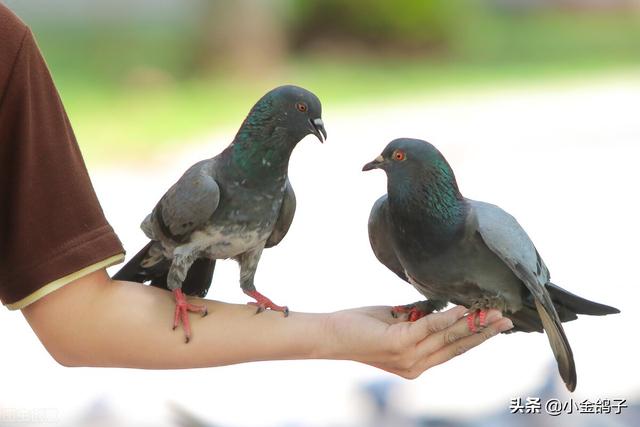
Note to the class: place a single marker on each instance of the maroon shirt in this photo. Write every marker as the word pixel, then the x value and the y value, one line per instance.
pixel 51 224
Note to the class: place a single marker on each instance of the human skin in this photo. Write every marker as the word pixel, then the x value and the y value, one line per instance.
pixel 96 321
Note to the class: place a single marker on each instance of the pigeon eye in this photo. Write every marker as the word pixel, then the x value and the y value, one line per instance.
pixel 302 107
pixel 398 155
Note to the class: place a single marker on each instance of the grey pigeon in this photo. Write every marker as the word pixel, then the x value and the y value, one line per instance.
pixel 453 249
pixel 230 206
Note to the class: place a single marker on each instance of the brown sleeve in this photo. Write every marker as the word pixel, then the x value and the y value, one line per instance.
pixel 51 224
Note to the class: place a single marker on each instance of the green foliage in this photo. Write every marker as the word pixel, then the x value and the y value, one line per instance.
pixel 109 53
pixel 467 29
pixel 550 36
pixel 403 23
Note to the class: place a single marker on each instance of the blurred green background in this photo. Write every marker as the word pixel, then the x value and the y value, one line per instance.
pixel 147 75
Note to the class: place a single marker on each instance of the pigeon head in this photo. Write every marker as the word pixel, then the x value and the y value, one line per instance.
pixel 413 156
pixel 416 168
pixel 292 110
pixel 422 189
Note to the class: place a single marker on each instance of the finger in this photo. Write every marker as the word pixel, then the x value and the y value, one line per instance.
pixel 442 338
pixel 467 343
pixel 435 322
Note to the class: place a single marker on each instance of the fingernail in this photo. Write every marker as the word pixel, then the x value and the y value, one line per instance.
pixel 493 316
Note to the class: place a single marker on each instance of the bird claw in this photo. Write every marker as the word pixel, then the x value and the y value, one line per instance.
pixel 482 320
pixel 181 313
pixel 263 303
pixel 260 308
pixel 413 312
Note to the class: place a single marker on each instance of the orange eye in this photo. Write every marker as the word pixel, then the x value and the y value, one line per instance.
pixel 398 155
pixel 302 107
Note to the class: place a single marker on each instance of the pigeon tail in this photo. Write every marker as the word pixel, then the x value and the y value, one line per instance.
pixel 576 304
pixel 560 346
pixel 197 282
pixel 132 271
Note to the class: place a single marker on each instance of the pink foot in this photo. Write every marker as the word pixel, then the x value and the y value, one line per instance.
pixel 471 320
pixel 413 312
pixel 264 303
pixel 181 314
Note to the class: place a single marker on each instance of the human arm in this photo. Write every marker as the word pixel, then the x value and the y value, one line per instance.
pixel 99 322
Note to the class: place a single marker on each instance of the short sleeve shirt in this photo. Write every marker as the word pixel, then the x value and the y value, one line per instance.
pixel 52 228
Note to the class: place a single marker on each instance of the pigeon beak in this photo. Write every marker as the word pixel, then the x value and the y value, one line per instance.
pixel 375 164
pixel 318 130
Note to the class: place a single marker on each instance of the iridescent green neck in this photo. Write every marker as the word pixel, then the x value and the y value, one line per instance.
pixel 261 158
pixel 258 122
pixel 261 148
pixel 430 205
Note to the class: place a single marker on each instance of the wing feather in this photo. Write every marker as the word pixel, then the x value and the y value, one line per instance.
pixel 188 204
pixel 380 238
pixel 504 236
pixel 285 218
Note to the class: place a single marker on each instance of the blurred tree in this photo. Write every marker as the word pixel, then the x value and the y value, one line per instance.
pixel 245 36
pixel 405 25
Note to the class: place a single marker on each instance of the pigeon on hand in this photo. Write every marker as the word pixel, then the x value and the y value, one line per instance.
pixel 453 249
pixel 230 206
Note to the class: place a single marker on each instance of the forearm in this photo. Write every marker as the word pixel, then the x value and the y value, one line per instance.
pixel 99 322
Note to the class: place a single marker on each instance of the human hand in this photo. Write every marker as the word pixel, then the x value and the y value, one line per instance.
pixel 371 335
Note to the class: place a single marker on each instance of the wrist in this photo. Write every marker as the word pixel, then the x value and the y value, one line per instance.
pixel 328 344
pixel 303 336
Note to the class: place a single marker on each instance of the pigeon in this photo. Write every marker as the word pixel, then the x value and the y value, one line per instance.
pixel 233 205
pixel 471 253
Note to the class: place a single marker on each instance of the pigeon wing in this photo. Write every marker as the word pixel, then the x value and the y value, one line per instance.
pixel 504 236
pixel 380 237
pixel 285 218
pixel 189 203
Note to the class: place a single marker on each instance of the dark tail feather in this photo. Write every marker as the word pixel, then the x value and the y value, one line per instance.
pixel 577 304
pixel 132 270
pixel 198 280
pixel 559 344
pixel 544 317
pixel 526 319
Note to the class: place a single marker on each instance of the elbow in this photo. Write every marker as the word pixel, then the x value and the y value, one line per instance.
pixel 61 323
pixel 69 348
pixel 60 346
pixel 63 350
pixel 65 357
pixel 71 352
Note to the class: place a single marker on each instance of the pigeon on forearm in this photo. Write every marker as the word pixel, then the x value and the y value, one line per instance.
pixel 231 206
pixel 453 249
